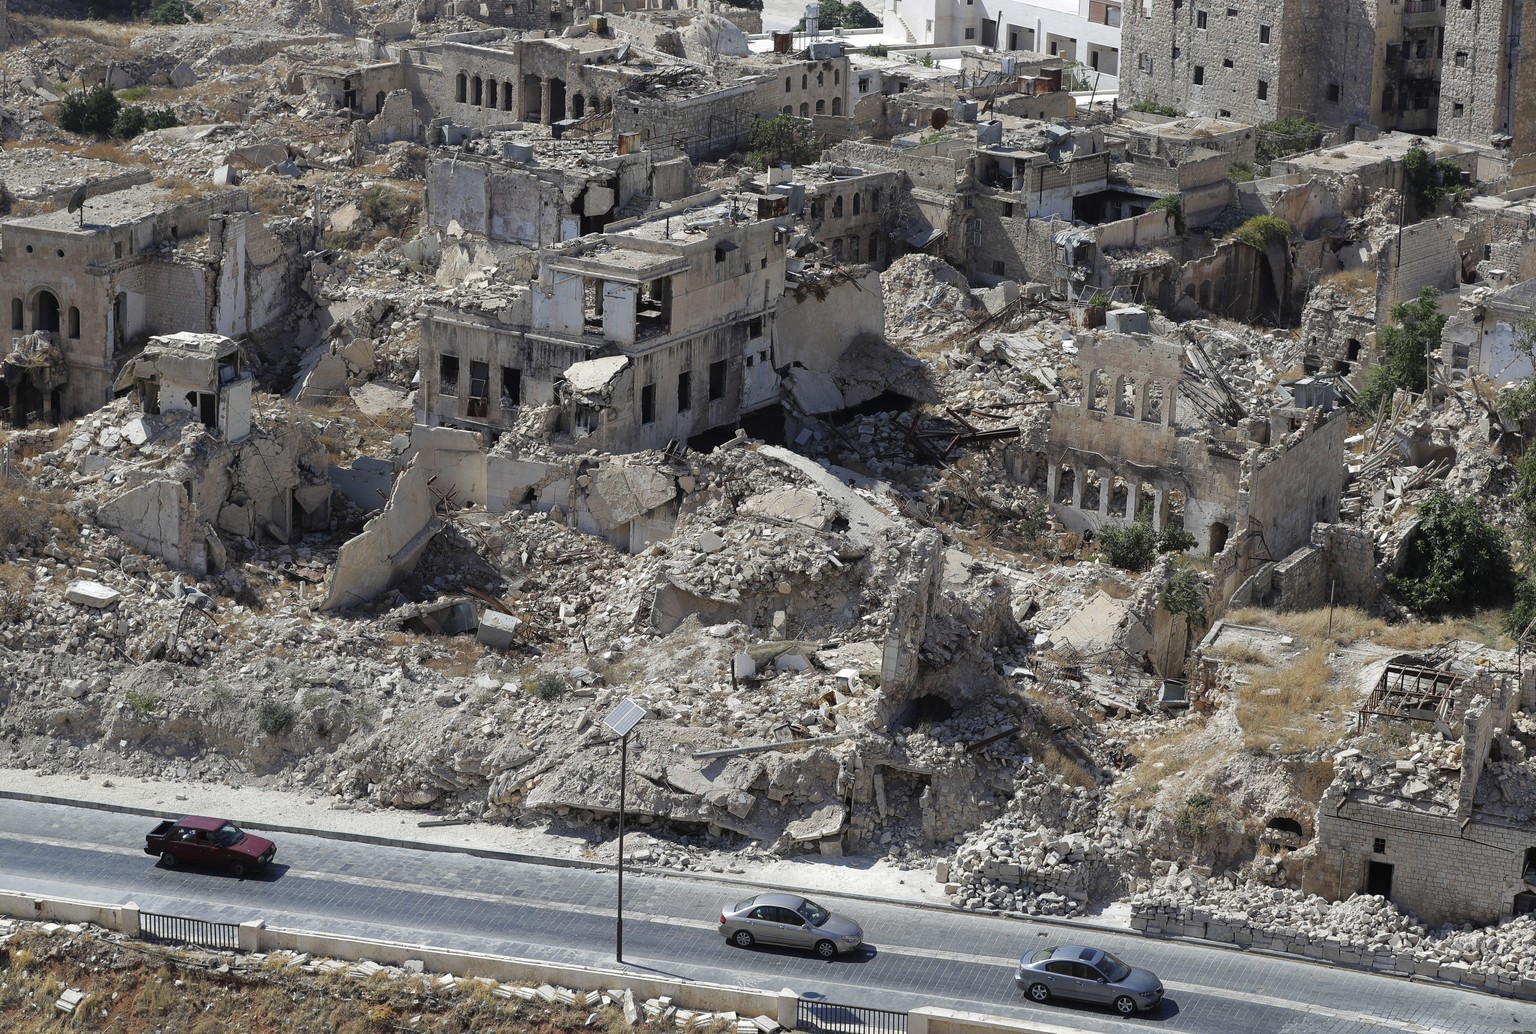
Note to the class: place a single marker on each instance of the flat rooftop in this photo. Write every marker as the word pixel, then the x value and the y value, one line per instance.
pixel 118 208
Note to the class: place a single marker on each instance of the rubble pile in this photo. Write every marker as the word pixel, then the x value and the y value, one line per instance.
pixel 924 295
pixel 1429 767
pixel 1056 852
pixel 1363 929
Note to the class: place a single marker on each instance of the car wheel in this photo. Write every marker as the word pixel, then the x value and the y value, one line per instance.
pixel 1039 993
pixel 1125 1005
pixel 826 949
pixel 237 869
pixel 742 939
pixel 167 859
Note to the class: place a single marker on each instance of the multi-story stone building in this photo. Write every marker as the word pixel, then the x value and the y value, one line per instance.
pixel 1455 69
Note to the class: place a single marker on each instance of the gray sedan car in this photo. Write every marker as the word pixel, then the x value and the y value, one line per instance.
pixel 790 920
pixel 1088 975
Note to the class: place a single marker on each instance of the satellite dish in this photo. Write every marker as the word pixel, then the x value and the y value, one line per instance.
pixel 77 199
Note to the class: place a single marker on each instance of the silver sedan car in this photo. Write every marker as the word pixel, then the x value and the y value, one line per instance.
pixel 1088 975
pixel 790 920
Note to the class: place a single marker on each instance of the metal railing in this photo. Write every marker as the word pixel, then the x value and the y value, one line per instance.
pixel 153 926
pixel 818 1017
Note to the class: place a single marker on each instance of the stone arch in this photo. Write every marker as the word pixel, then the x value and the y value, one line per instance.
pixel 556 111
pixel 1066 484
pixel 1125 395
pixel 821 107
pixel 788 110
pixel 1152 402
pixel 1146 505
pixel 506 95
pixel 1093 488
pixel 837 207
pixel 492 94
pixel 837 105
pixel 1119 498
pixel 786 84
pixel 578 105
pixel 837 77
pixel 1189 291
pixel 1174 504
pixel 1218 534
pixel 805 82
pixel 805 110
pixel 857 198
pixel 1097 390
pixel 45 311
pixel 477 92
pixel 378 102
pixel 462 92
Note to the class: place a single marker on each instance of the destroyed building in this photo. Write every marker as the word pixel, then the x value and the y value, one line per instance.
pixel 86 287
pixel 1443 826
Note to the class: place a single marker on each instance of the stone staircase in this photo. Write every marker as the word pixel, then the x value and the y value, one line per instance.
pixel 637 205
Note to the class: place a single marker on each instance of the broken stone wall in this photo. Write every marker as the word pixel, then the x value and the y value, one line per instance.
pixel 501 202
pixel 389 545
pixel 1422 255
pixel 1297 481
pixel 396 120
pixel 159 518
pixel 259 273
pixel 701 126
pixel 843 311
pixel 1014 246
pixel 1338 329
pixel 1227 283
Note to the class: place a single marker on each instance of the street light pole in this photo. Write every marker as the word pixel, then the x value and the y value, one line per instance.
pixel 618 919
pixel 621 721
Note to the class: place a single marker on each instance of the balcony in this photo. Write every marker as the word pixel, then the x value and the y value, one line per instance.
pixel 1421 14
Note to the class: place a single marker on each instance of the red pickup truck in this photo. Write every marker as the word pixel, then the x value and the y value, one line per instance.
pixel 199 840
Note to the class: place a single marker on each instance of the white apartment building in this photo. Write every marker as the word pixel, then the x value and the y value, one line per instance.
pixel 1085 31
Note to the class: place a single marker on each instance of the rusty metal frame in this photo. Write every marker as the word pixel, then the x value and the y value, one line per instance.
pixel 1406 692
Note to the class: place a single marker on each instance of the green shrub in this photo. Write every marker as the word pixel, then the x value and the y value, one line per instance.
pixel 1154 108
pixel 783 138
pixel 174 12
pixel 1241 172
pixel 275 718
pixel 133 93
pixel 1133 547
pixel 1283 136
pixel 1184 593
pixel 1412 335
pixel 142 703
pixel 1263 230
pixel 1172 206
pixel 549 686
pixel 89 111
pixel 1456 561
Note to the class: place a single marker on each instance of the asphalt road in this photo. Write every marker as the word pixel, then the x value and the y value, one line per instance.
pixel 916 957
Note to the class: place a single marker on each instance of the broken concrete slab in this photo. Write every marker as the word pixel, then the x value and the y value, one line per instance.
pixel 92 594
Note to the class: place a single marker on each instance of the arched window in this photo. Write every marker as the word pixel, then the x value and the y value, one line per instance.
pixel 506 96
pixel 874 200
pixel 837 207
pixel 786 84
pixel 490 94
pixel 837 249
pixel 837 77
pixel 837 105
pixel 805 82
pixel 857 198
pixel 853 247
pixel 820 79
pixel 788 110
pixel 1125 396
pixel 378 102
pixel 74 322
pixel 477 98
pixel 463 93
pixel 805 110
pixel 821 107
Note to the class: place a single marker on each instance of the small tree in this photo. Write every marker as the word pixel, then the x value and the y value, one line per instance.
pixel 1172 207
pixel 89 111
pixel 783 138
pixel 1405 343
pixel 1184 593
pixel 1456 561
pixel 1133 547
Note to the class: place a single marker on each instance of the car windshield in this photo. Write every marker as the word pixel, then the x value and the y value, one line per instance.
pixel 228 834
pixel 814 913
pixel 1041 955
pixel 1113 968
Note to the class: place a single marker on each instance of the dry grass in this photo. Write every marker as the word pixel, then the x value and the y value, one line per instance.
pixel 1357 281
pixel 1293 708
pixel 1352 626
pixel 111 34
